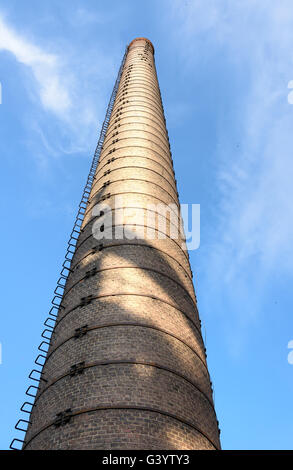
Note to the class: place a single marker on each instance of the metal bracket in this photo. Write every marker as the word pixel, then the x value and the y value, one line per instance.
pixel 86 300
pixel 106 196
pixel 22 421
pixel 91 273
pixel 38 378
pixel 77 369
pixel 23 406
pixel 97 248
pixel 12 444
pixel 63 417
pixel 79 332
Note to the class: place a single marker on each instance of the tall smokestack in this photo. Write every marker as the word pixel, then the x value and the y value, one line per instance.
pixel 126 365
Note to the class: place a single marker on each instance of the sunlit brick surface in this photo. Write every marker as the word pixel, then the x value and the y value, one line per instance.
pixel 128 367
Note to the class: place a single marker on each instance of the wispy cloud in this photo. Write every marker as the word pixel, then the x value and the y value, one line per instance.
pixel 66 87
pixel 44 66
pixel 254 229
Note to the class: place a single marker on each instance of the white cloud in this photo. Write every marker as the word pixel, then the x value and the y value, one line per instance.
pixel 44 66
pixel 69 84
pixel 254 230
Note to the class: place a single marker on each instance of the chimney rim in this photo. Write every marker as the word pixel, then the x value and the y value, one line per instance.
pixel 142 39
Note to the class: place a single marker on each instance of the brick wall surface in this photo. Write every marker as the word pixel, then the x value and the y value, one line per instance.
pixel 126 368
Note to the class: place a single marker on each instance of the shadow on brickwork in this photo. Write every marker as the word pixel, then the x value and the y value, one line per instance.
pixel 126 366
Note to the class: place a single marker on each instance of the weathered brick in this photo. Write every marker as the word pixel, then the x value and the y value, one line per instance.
pixel 126 366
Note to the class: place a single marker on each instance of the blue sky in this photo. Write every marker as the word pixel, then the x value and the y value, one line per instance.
pixel 224 69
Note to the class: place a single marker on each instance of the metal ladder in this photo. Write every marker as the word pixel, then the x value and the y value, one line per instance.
pixel 36 375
